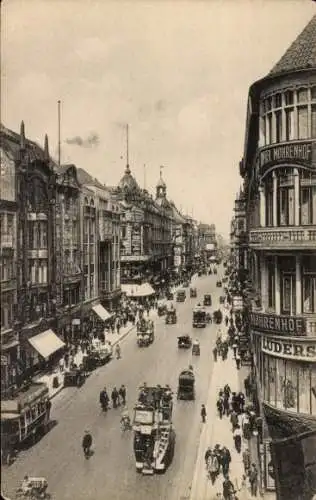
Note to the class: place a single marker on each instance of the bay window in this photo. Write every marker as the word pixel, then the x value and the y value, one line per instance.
pixel 281 119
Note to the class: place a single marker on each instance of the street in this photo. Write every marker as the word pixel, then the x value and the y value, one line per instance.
pixel 111 470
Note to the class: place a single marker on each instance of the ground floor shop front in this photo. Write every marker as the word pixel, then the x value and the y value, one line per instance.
pixel 286 378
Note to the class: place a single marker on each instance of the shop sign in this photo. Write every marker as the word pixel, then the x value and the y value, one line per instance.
pixel 298 350
pixel 284 325
pixel 294 152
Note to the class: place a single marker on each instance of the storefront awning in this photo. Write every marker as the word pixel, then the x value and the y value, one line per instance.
pixel 101 312
pixel 143 290
pixel 46 343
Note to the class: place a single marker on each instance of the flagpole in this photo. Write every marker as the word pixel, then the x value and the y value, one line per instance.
pixel 59 141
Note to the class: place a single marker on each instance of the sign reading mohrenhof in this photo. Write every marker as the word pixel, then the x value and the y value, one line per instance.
pixel 294 326
pixel 304 350
pixel 294 152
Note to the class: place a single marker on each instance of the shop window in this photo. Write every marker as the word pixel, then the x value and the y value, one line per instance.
pixel 313 390
pixel 304 401
pixel 291 386
pixel 266 387
pixel 313 122
pixel 302 123
pixel 280 382
pixel 272 380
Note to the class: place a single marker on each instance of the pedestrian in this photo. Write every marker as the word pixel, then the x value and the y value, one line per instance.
pixel 237 438
pixel 235 346
pixel 118 351
pixel 228 488
pixel 215 353
pixel 122 394
pixel 86 444
pixel 227 390
pixel 246 461
pixel 203 414
pixel 225 460
pixel 220 407
pixel 212 467
pixel 238 360
pixel 234 419
pixel 226 320
pixel 242 401
pixel 61 364
pixel 253 479
pixel 115 397
pixel 208 453
pixel 226 405
pixel 246 426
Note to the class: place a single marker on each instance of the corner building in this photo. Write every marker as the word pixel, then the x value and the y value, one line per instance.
pixel 279 171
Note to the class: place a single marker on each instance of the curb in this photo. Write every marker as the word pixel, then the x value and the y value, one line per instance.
pixel 114 343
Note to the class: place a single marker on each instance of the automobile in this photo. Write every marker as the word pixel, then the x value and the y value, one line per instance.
pixel 199 317
pixel 222 299
pixel 186 383
pixel 169 296
pixel 184 342
pixel 171 317
pixel 193 292
pixel 196 349
pixel 207 301
pixel 162 307
pixel 218 284
pixel 181 296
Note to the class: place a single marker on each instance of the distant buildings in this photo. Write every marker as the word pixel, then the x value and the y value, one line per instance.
pixel 67 244
pixel 279 172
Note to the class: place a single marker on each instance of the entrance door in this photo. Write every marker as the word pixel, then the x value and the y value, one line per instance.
pixel 288 295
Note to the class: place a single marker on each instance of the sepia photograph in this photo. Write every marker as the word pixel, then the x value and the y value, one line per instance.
pixel 158 249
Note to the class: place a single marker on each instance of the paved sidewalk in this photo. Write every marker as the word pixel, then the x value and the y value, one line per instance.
pixel 217 431
pixel 47 378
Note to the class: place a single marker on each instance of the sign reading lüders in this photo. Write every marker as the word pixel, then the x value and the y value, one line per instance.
pixel 294 152
pixel 298 349
pixel 286 325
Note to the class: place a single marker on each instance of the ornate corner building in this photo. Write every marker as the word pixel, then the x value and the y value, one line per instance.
pixel 279 172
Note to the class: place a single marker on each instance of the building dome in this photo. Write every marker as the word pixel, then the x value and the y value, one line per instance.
pixel 128 181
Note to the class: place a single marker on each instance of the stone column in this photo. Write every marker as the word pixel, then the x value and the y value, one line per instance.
pixel 275 199
pixel 262 206
pixel 298 272
pixel 277 286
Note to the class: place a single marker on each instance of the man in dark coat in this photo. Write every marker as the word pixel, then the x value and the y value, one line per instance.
pixel 122 394
pixel 86 443
pixel 114 397
pixel 225 460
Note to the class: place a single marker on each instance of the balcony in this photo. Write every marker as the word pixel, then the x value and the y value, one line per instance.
pixel 284 238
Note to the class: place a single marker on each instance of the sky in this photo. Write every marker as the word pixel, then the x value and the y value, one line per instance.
pixel 178 72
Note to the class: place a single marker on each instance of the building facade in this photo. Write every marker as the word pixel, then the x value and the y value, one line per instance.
pixel 8 264
pixel 279 171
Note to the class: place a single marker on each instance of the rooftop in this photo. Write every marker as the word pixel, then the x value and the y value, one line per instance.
pixel 301 54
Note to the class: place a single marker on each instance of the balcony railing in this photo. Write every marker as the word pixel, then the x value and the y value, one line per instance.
pixel 277 237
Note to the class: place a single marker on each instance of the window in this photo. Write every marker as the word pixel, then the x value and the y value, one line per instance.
pixel 278 126
pixel 286 206
pixel 269 128
pixel 309 294
pixel 289 124
pixel 302 122
pixel 289 97
pixel 288 294
pixel 313 389
pixel 271 283
pixel 308 195
pixel 302 95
